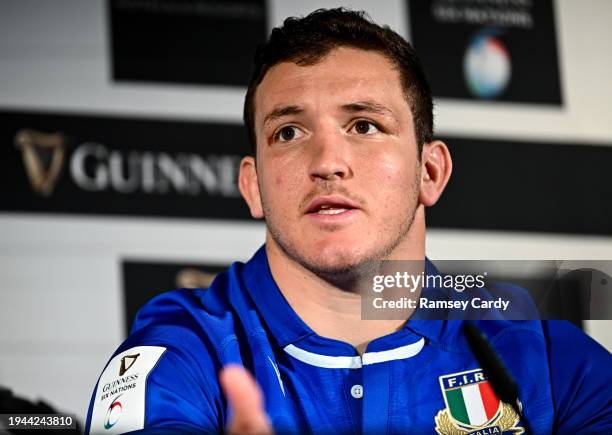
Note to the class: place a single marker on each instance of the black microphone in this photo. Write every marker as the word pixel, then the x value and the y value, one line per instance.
pixel 501 380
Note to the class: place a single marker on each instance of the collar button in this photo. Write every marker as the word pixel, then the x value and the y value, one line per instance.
pixel 357 391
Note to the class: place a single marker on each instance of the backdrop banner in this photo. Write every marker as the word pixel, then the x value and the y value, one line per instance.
pixel 159 168
pixel 488 49
pixel 526 186
pixel 186 41
pixel 144 279
pixel 120 166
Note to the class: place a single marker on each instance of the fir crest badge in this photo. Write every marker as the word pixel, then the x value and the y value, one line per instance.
pixel 472 407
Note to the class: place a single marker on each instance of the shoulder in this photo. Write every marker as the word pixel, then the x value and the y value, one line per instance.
pixel 164 375
pixel 564 344
pixel 555 362
pixel 146 387
pixel 575 358
pixel 193 325
pixel 191 318
pixel 568 341
pixel 577 361
pixel 581 379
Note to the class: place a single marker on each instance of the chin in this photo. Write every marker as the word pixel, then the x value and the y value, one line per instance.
pixel 336 258
pixel 330 256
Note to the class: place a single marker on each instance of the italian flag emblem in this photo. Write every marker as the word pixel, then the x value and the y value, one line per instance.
pixel 471 404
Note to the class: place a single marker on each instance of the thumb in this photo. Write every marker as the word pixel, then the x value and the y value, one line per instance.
pixel 246 401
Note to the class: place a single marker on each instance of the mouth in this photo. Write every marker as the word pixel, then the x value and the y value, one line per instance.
pixel 332 205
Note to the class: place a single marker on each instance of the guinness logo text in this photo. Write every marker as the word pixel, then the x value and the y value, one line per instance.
pixel 93 167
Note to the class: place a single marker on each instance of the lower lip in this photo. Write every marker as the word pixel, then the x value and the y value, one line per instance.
pixel 334 218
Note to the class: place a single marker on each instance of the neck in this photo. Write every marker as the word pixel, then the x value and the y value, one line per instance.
pixel 334 312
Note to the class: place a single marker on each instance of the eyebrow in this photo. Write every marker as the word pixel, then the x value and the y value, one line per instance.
pixel 367 106
pixel 359 106
pixel 280 112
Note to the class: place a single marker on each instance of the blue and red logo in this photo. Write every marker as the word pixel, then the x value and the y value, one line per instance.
pixel 487 65
pixel 114 413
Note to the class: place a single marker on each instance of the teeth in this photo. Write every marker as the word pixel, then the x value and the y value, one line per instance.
pixel 331 210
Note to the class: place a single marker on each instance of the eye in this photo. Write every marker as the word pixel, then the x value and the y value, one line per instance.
pixel 364 127
pixel 288 133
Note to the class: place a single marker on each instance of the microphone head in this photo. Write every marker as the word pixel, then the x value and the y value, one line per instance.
pixel 499 376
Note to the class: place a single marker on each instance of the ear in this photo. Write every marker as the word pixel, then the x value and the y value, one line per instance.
pixel 249 188
pixel 436 168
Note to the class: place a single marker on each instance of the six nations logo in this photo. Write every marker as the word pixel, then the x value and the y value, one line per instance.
pixel 472 407
pixel 114 412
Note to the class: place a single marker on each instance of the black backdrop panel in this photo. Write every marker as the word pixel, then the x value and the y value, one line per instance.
pixel 527 186
pixel 186 41
pixel 469 46
pixel 142 280
pixel 120 166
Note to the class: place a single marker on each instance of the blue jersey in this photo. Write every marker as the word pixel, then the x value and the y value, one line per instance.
pixel 420 379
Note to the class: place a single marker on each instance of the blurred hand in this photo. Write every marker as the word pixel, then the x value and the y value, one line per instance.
pixel 246 401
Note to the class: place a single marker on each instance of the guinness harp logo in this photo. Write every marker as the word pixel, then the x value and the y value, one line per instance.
pixel 43 157
pixel 127 362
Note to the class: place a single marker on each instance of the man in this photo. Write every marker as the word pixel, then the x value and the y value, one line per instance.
pixel 340 116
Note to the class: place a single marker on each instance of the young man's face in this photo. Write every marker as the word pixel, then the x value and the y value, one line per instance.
pixel 337 167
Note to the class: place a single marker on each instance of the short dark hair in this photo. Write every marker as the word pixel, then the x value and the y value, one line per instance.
pixel 306 40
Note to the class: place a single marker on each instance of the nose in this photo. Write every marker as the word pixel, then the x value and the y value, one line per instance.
pixel 330 157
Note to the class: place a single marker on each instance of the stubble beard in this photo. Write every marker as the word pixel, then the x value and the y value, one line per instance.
pixel 346 270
